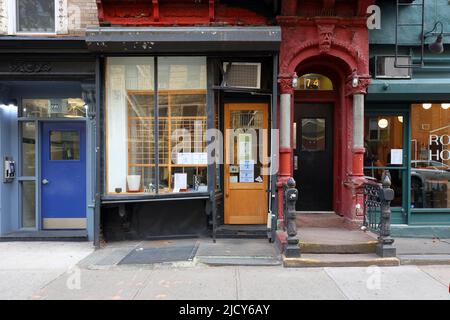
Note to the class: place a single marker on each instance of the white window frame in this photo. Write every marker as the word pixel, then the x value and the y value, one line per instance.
pixel 61 18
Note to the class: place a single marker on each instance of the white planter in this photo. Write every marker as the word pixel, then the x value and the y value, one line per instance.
pixel 134 183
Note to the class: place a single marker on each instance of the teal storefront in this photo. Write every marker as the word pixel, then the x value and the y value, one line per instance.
pixel 407 115
pixel 408 133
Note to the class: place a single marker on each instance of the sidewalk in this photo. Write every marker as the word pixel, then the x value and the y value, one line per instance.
pixel 417 251
pixel 25 267
pixel 250 282
pixel 52 270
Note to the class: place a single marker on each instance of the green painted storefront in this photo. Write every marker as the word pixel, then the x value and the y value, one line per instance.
pixel 408 99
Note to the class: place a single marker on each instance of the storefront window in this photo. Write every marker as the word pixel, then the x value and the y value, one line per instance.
pixel 383 143
pixel 430 155
pixel 28 148
pixel 54 108
pixel 178 125
pixel 28 204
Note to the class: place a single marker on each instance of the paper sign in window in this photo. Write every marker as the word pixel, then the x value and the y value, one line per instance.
pixel 245 147
pixel 180 181
pixel 246 171
pixel 396 156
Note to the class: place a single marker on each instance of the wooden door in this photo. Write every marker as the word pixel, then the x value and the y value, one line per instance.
pixel 245 167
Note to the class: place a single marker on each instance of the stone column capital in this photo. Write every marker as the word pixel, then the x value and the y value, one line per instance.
pixel 356 84
pixel 285 83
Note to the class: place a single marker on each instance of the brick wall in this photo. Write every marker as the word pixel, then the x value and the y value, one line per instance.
pixel 82 14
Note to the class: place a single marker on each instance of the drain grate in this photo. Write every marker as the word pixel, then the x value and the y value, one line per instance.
pixel 159 255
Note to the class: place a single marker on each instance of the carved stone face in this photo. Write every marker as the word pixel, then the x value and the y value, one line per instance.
pixel 326 34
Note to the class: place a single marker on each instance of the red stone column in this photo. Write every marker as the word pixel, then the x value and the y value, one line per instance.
pixel 285 127
pixel 356 87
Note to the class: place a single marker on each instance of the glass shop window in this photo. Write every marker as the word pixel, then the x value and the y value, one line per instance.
pixel 383 143
pixel 167 141
pixel 430 155
pixel 35 16
pixel 54 108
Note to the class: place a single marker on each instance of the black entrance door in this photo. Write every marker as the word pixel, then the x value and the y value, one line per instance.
pixel 313 156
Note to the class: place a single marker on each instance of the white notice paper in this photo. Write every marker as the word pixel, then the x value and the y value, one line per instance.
pixel 180 181
pixel 246 171
pixel 396 156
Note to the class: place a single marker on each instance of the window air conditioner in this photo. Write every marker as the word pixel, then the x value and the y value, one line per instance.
pixel 242 75
pixel 385 67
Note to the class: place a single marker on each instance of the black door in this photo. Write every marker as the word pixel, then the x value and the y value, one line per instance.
pixel 313 156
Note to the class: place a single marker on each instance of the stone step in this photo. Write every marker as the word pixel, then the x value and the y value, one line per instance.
pixel 324 248
pixel 336 240
pixel 237 261
pixel 323 220
pixel 242 232
pixel 338 260
pixel 46 235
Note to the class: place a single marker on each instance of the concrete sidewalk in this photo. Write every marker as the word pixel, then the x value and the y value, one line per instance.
pixel 249 282
pixel 51 270
pixel 418 251
pixel 26 267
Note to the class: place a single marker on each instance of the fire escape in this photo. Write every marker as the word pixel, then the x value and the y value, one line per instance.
pixel 417 23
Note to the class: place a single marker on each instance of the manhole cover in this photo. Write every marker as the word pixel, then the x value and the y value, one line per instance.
pixel 158 255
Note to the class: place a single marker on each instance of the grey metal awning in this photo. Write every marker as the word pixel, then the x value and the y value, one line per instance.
pixel 183 39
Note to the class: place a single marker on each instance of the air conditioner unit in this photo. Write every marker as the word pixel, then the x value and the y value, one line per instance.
pixel 242 75
pixel 385 67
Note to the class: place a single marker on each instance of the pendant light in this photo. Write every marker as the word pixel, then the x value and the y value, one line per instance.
pixel 383 123
pixel 426 106
pixel 445 106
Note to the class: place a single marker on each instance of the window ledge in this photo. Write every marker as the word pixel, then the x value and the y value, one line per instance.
pixel 109 198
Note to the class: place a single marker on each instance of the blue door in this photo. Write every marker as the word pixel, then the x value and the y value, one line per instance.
pixel 63 175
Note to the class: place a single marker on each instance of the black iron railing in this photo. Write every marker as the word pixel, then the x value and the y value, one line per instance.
pixel 377 212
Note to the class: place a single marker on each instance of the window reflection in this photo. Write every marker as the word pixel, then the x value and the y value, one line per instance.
pixel 383 141
pixel 430 156
pixel 64 145
pixel 313 134
pixel 54 108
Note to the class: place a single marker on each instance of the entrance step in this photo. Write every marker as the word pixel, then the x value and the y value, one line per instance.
pixel 336 241
pixel 46 235
pixel 238 261
pixel 339 260
pixel 323 220
pixel 242 231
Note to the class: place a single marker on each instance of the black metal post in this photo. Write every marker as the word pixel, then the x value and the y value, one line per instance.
pixel 291 197
pixel 385 246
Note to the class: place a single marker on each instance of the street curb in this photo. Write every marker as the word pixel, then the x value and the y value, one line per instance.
pixel 237 261
pixel 426 259
pixel 323 261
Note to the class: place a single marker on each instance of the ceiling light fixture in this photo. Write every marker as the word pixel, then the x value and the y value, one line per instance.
pixel 383 123
pixel 426 106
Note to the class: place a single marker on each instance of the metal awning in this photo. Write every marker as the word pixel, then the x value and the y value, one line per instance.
pixel 429 89
pixel 183 39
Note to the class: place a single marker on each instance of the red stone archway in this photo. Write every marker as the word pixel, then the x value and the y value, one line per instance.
pixel 337 48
